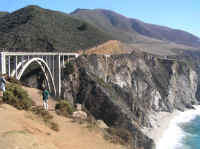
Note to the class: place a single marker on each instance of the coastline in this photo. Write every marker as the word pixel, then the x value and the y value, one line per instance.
pixel 161 122
pixel 166 129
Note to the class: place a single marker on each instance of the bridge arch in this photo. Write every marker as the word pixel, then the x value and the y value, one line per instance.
pixel 15 63
pixel 45 69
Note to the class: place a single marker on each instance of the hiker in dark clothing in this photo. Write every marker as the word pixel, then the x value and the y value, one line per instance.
pixel 2 85
pixel 45 95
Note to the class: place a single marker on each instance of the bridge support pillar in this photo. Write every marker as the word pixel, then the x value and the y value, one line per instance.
pixel 57 75
pixel 9 66
pixel 16 61
pixel 3 63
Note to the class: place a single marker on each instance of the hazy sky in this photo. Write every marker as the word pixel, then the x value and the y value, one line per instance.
pixel 178 14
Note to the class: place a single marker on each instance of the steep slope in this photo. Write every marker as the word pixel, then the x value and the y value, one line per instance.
pixel 157 48
pixel 111 47
pixel 131 90
pixel 23 130
pixel 165 33
pixel 35 29
pixel 130 30
pixel 112 23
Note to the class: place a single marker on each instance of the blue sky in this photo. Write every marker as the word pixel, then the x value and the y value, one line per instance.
pixel 178 14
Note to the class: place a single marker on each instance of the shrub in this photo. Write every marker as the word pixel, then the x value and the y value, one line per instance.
pixel 69 68
pixel 119 135
pixel 16 96
pixel 82 27
pixel 64 108
pixel 46 117
pixel 13 80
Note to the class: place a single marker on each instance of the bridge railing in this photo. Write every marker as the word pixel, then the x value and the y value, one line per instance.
pixel 12 62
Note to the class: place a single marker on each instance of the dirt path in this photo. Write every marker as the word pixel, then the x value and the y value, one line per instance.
pixel 36 96
pixel 23 130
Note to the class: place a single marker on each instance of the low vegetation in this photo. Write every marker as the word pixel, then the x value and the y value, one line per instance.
pixel 64 108
pixel 118 135
pixel 13 80
pixel 36 29
pixel 16 96
pixel 130 30
pixel 183 68
pixel 46 117
pixel 69 69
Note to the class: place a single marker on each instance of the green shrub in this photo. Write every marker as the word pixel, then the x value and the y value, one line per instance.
pixel 46 117
pixel 82 27
pixel 13 80
pixel 64 108
pixel 16 96
pixel 69 68
pixel 183 68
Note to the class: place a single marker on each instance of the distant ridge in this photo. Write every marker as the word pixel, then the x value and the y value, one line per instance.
pixel 3 13
pixel 133 30
pixel 36 29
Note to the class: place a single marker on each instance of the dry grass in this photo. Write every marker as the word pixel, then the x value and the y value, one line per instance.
pixel 118 135
pixel 46 117
pixel 110 47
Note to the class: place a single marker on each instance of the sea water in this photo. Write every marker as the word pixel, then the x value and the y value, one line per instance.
pixel 183 132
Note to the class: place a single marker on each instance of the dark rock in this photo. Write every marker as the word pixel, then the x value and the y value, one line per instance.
pixel 124 90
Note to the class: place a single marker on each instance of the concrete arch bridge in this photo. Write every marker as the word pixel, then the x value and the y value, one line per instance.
pixel 14 64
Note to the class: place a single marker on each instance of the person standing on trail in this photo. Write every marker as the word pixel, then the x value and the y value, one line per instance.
pixel 2 84
pixel 45 95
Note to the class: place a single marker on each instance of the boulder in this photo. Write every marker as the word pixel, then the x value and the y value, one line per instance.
pixel 101 124
pixel 79 115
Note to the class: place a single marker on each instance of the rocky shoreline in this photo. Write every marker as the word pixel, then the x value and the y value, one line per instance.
pixel 161 122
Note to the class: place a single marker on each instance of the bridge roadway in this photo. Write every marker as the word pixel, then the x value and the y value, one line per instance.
pixel 14 64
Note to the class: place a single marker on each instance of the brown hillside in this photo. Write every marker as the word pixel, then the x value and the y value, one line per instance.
pixel 23 130
pixel 113 47
pixel 110 47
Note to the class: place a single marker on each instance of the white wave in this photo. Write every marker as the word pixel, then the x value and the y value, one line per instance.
pixel 173 135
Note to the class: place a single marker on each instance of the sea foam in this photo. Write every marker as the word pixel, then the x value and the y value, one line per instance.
pixel 172 137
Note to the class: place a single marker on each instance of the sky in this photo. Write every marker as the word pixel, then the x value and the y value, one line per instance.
pixel 177 14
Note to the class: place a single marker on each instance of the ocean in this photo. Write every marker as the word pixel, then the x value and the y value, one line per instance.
pixel 183 131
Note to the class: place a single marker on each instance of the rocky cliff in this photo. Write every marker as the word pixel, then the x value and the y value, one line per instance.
pixel 127 90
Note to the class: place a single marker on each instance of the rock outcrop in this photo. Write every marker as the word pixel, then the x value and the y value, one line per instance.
pixel 125 90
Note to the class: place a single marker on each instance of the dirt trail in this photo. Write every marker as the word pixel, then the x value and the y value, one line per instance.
pixel 23 130
pixel 36 96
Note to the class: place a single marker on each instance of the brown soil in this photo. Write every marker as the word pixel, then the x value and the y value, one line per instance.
pixel 111 47
pixel 23 130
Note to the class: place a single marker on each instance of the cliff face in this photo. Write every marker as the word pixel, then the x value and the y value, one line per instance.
pixel 126 90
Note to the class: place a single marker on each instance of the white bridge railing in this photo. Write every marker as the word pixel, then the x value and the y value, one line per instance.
pixel 15 63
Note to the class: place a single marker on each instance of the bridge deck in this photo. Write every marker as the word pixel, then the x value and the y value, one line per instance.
pixel 39 54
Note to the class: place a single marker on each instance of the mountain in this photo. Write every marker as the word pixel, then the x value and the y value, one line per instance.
pixel 36 29
pixel 3 13
pixel 133 30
